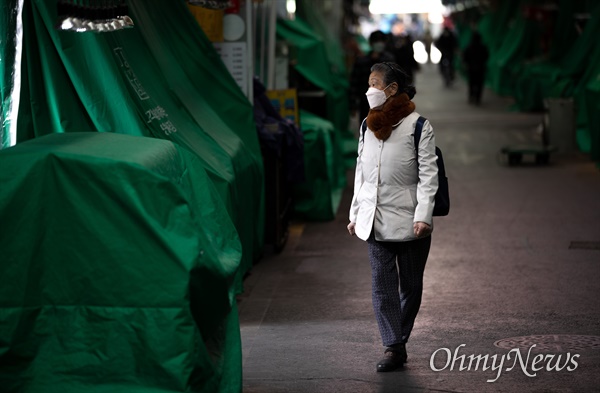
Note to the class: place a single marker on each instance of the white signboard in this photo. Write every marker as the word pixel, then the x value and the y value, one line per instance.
pixel 235 58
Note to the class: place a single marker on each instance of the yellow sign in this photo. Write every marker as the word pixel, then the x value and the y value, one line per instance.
pixel 211 21
pixel 285 102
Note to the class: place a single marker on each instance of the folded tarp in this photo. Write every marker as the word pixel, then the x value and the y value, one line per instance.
pixel 117 269
pixel 160 79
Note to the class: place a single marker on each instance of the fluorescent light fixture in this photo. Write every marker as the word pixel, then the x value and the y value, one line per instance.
pixel 406 7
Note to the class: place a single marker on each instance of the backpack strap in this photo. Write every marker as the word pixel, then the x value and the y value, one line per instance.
pixel 418 130
pixel 363 128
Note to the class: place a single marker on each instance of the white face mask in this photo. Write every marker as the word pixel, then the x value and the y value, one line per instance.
pixel 376 97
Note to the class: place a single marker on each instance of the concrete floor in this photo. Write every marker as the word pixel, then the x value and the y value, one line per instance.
pixel 500 267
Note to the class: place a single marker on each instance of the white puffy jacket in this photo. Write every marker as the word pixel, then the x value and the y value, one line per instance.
pixel 391 192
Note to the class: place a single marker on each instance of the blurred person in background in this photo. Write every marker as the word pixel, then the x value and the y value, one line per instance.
pixel 447 43
pixel 405 55
pixel 475 57
pixel 359 77
pixel 427 39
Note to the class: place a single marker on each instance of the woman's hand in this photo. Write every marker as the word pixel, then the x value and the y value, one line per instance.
pixel 351 228
pixel 422 229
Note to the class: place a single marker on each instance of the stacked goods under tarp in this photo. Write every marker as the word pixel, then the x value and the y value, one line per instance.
pixel 160 79
pixel 117 269
pixel 311 61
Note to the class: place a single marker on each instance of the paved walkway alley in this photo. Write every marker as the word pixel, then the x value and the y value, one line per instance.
pixel 517 259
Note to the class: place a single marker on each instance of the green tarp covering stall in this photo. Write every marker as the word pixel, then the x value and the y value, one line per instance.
pixel 511 40
pixel 592 100
pixel 312 63
pixel 160 79
pixel 318 198
pixel 558 78
pixel 122 254
pixel 568 68
pixel 8 55
pixel 117 270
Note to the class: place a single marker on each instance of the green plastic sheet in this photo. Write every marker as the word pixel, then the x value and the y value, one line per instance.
pixel 160 79
pixel 8 54
pixel 592 101
pixel 571 67
pixel 117 269
pixel 318 198
pixel 559 78
pixel 519 45
pixel 313 63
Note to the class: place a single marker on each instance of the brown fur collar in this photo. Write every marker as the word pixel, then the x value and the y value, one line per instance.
pixel 381 121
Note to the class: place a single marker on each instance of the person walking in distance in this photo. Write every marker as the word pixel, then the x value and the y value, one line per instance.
pixel 475 58
pixel 447 43
pixel 392 206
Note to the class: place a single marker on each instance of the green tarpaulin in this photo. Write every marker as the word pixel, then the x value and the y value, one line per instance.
pixel 558 78
pixel 313 63
pixel 568 68
pixel 319 196
pixel 592 100
pixel 160 79
pixel 8 55
pixel 117 269
pixel 506 63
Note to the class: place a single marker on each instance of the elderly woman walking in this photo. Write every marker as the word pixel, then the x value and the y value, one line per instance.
pixel 392 206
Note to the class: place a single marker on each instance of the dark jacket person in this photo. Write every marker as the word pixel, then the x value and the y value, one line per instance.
pixel 475 58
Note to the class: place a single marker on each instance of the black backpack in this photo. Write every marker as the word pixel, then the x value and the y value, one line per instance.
pixel 442 196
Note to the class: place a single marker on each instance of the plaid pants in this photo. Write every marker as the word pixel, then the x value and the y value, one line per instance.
pixel 397 287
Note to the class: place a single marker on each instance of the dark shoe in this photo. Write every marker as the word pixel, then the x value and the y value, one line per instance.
pixel 392 359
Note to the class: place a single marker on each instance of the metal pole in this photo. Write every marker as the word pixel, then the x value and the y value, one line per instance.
pixel 263 34
pixel 250 50
pixel 271 47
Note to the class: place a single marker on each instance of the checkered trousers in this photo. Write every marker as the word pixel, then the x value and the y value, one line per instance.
pixel 397 270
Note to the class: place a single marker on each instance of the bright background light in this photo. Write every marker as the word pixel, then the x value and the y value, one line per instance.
pixel 290 5
pixel 435 18
pixel 436 55
pixel 406 7
pixel 421 55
